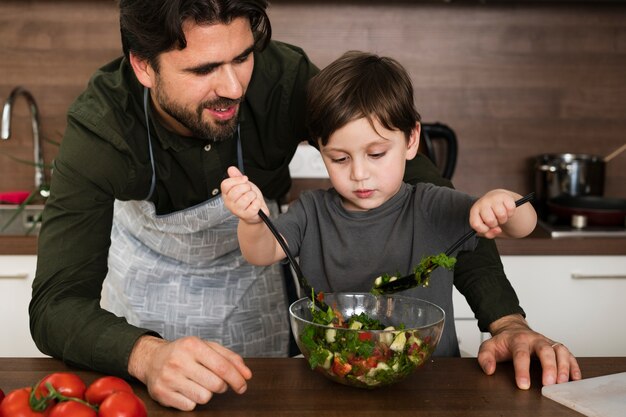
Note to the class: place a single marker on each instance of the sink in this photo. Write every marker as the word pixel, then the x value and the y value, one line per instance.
pixel 18 220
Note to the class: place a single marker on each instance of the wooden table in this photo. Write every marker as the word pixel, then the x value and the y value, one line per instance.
pixel 287 387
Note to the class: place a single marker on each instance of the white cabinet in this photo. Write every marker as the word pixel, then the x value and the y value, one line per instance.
pixel 16 277
pixel 577 300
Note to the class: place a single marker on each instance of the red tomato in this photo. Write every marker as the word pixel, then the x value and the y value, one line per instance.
pixel 382 352
pixel 72 409
pixel 1 395
pixel 359 366
pixel 122 404
pixel 365 336
pixel 105 386
pixel 372 362
pixel 65 383
pixel 339 368
pixel 16 404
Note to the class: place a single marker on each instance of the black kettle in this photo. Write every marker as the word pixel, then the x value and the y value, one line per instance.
pixel 430 135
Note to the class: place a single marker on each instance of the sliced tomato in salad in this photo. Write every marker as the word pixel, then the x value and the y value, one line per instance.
pixel 365 336
pixel 340 368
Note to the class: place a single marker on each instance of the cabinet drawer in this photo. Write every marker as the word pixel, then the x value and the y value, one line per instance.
pixel 577 300
pixel 16 277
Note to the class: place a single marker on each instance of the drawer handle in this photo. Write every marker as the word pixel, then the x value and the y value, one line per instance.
pixel 600 276
pixel 23 275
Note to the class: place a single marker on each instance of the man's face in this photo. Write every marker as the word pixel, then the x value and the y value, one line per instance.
pixel 198 90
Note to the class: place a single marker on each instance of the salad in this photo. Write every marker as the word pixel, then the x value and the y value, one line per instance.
pixel 421 273
pixel 362 351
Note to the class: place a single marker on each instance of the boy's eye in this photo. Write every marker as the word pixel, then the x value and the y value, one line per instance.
pixel 377 155
pixel 339 160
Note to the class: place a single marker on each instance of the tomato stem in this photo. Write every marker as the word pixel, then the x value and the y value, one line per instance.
pixel 41 403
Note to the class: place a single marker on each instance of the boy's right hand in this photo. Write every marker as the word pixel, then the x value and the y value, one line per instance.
pixel 242 197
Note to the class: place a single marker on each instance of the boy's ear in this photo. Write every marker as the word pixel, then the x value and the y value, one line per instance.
pixel 414 141
pixel 142 69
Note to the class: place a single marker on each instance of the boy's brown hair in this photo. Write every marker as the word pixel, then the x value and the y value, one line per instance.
pixel 356 85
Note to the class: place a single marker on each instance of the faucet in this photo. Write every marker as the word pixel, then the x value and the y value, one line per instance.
pixel 40 184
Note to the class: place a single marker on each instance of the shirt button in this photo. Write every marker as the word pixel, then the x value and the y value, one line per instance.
pixel 215 191
pixel 207 147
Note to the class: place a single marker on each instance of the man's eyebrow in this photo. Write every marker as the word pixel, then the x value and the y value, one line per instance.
pixel 202 68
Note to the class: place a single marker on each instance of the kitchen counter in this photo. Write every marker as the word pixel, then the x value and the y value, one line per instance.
pixel 18 245
pixel 538 243
pixel 287 387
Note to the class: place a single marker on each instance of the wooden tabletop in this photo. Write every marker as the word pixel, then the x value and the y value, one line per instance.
pixel 287 387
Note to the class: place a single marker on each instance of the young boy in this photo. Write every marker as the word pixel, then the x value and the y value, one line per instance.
pixel 362 118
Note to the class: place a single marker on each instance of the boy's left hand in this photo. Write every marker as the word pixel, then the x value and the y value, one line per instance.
pixel 491 211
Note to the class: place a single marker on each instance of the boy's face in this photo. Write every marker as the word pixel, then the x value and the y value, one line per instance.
pixel 365 164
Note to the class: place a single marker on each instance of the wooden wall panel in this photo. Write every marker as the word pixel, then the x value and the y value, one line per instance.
pixel 513 80
pixel 50 48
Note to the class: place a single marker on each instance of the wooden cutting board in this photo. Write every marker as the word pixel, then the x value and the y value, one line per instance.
pixel 603 396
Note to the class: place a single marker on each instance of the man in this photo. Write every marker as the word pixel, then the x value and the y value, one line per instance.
pixel 135 198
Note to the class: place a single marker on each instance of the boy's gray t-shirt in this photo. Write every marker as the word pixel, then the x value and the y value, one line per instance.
pixel 342 250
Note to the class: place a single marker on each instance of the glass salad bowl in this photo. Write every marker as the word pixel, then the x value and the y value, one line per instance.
pixel 366 340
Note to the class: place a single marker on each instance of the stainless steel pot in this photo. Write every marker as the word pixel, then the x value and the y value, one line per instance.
pixel 568 174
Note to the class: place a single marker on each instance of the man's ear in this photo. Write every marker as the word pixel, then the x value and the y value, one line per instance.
pixel 414 141
pixel 143 70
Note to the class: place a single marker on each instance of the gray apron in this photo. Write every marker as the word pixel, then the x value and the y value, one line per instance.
pixel 182 274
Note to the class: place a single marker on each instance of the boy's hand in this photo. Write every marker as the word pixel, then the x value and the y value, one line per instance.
pixel 242 197
pixel 491 211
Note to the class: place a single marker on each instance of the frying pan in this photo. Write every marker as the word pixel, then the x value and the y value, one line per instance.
pixel 600 211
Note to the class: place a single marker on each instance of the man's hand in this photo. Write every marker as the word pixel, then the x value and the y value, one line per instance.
pixel 187 371
pixel 512 338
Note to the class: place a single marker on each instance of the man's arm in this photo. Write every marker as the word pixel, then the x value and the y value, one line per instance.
pixel 478 275
pixel 65 315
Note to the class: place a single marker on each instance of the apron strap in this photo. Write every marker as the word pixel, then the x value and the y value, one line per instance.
pixel 145 110
pixel 239 151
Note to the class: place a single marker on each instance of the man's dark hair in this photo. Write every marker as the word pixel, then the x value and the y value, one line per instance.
pixel 356 85
pixel 150 27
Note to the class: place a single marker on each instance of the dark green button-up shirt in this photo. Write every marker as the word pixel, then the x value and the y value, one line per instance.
pixel 105 156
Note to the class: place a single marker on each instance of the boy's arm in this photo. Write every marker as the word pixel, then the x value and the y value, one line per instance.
pixel 495 215
pixel 257 243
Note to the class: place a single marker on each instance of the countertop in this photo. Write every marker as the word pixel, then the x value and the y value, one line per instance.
pixel 538 243
pixel 287 387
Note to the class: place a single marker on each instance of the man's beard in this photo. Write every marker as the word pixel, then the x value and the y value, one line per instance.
pixel 217 131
